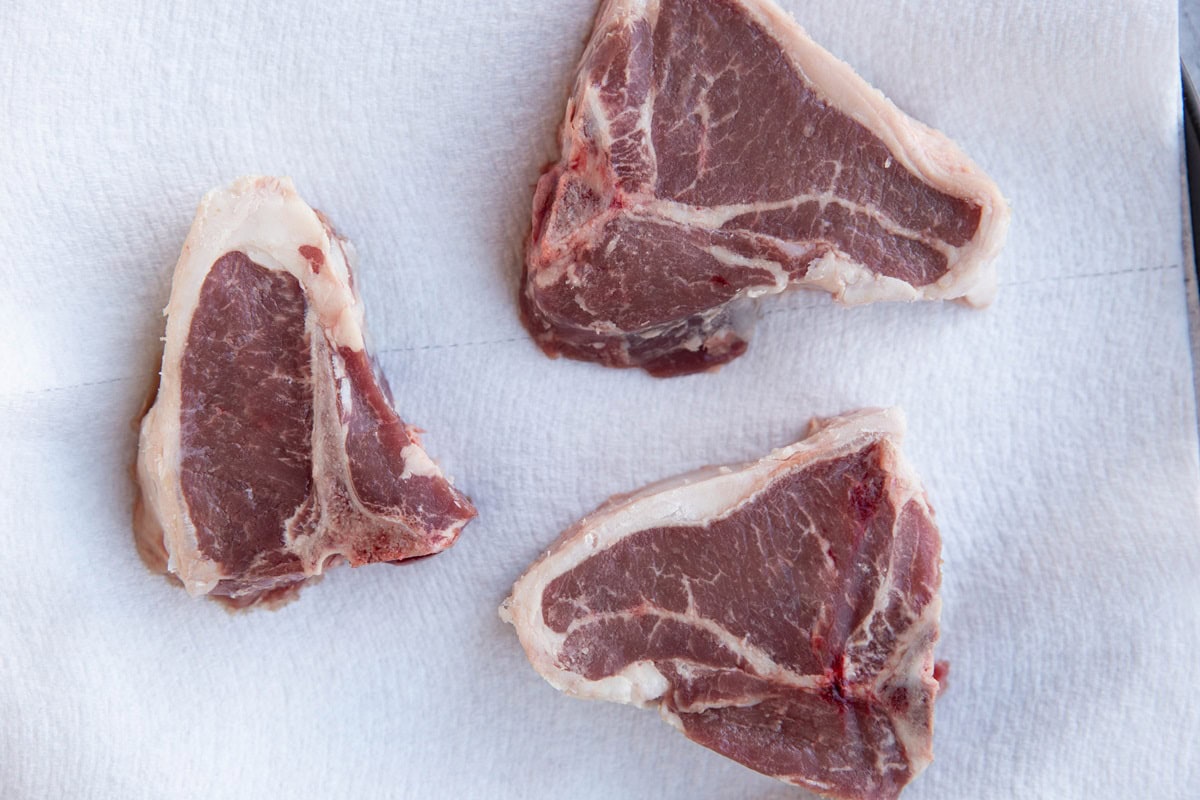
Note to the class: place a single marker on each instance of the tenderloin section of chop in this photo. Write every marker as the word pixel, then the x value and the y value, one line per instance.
pixel 782 613
pixel 713 154
pixel 272 449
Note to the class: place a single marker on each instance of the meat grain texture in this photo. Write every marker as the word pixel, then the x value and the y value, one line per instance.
pixel 272 450
pixel 712 154
pixel 782 612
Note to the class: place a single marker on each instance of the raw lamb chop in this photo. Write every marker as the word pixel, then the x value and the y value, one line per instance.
pixel 272 449
pixel 782 612
pixel 713 154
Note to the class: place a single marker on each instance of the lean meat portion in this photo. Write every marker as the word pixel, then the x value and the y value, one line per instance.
pixel 272 449
pixel 782 613
pixel 713 154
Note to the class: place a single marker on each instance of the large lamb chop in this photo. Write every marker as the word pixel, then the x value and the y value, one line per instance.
pixel 272 449
pixel 782 613
pixel 713 154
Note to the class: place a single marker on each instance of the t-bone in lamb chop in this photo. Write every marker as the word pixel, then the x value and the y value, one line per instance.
pixel 713 154
pixel 272 449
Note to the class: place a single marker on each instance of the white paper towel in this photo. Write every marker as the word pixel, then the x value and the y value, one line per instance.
pixel 1056 430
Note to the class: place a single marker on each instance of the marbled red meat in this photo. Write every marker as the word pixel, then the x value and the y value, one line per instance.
pixel 782 613
pixel 272 449
pixel 713 154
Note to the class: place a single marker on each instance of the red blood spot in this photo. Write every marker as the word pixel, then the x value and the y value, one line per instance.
pixel 314 256
pixel 865 499
pixel 718 280
pixel 941 671
pixel 837 679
